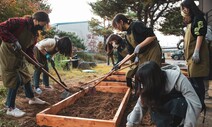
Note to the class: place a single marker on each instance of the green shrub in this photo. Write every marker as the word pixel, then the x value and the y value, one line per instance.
pixel 3 92
pixel 100 57
pixel 84 56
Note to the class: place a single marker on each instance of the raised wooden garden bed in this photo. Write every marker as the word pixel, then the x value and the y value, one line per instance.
pixel 51 117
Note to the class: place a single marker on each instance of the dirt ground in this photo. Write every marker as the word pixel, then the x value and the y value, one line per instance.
pixel 29 120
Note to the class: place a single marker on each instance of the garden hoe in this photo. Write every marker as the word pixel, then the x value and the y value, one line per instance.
pixel 127 58
pixel 66 93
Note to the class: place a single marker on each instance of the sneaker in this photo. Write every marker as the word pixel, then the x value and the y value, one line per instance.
pixel 36 100
pixel 38 90
pixel 15 112
pixel 50 88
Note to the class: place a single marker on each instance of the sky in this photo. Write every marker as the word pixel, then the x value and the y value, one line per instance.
pixel 70 11
pixel 79 10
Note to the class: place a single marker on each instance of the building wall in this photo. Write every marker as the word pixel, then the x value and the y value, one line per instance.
pixel 206 7
pixel 81 29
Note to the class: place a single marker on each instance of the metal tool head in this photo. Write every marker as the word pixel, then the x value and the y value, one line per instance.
pixel 65 94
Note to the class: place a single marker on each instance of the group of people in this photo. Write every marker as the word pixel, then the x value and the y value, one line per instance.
pixel 18 35
pixel 173 99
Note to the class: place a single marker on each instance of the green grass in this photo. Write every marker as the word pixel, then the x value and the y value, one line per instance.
pixel 3 94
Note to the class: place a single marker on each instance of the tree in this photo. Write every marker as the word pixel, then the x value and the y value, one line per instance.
pixel 77 42
pixel 97 29
pixel 172 23
pixel 148 10
pixel 18 8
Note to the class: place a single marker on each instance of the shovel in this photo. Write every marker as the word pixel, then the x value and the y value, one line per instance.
pixel 66 93
pixel 128 57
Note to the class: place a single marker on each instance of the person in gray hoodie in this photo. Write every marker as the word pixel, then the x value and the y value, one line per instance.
pixel 168 94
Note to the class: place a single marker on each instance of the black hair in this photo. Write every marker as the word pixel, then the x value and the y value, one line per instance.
pixel 112 37
pixel 64 45
pixel 117 18
pixel 193 8
pixel 153 79
pixel 41 16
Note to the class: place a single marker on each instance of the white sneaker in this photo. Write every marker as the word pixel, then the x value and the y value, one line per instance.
pixel 36 100
pixel 15 112
pixel 38 90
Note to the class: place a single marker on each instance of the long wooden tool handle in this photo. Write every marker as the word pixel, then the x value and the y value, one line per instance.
pixel 126 66
pixel 127 58
pixel 59 76
pixel 112 71
pixel 36 64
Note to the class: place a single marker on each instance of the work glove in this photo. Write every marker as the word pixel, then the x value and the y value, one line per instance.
pixel 116 67
pixel 16 46
pixel 137 49
pixel 195 56
pixel 136 59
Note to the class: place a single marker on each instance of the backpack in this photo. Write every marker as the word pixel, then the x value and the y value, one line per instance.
pixel 208 35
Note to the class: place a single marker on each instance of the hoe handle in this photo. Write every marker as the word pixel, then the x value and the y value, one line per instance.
pixel 36 64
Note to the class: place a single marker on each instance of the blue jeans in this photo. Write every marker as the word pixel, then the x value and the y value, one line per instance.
pixel 11 95
pixel 36 76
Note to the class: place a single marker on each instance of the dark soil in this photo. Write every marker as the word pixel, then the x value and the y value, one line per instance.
pixel 99 105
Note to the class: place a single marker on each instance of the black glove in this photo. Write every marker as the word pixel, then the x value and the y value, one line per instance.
pixel 16 46
pixel 116 67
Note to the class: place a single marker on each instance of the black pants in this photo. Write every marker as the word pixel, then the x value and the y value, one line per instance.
pixel 198 85
pixel 170 114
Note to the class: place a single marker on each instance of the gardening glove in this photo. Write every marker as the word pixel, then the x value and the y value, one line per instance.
pixel 16 46
pixel 116 67
pixel 136 59
pixel 137 49
pixel 195 56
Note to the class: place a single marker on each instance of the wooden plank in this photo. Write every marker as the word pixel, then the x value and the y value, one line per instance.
pixel 54 109
pixel 48 117
pixel 66 121
pixel 119 73
pixel 112 83
pixel 116 78
pixel 122 107
pixel 112 89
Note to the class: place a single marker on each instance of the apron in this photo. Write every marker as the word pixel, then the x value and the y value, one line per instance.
pixel 131 72
pixel 200 69
pixel 152 53
pixel 13 64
